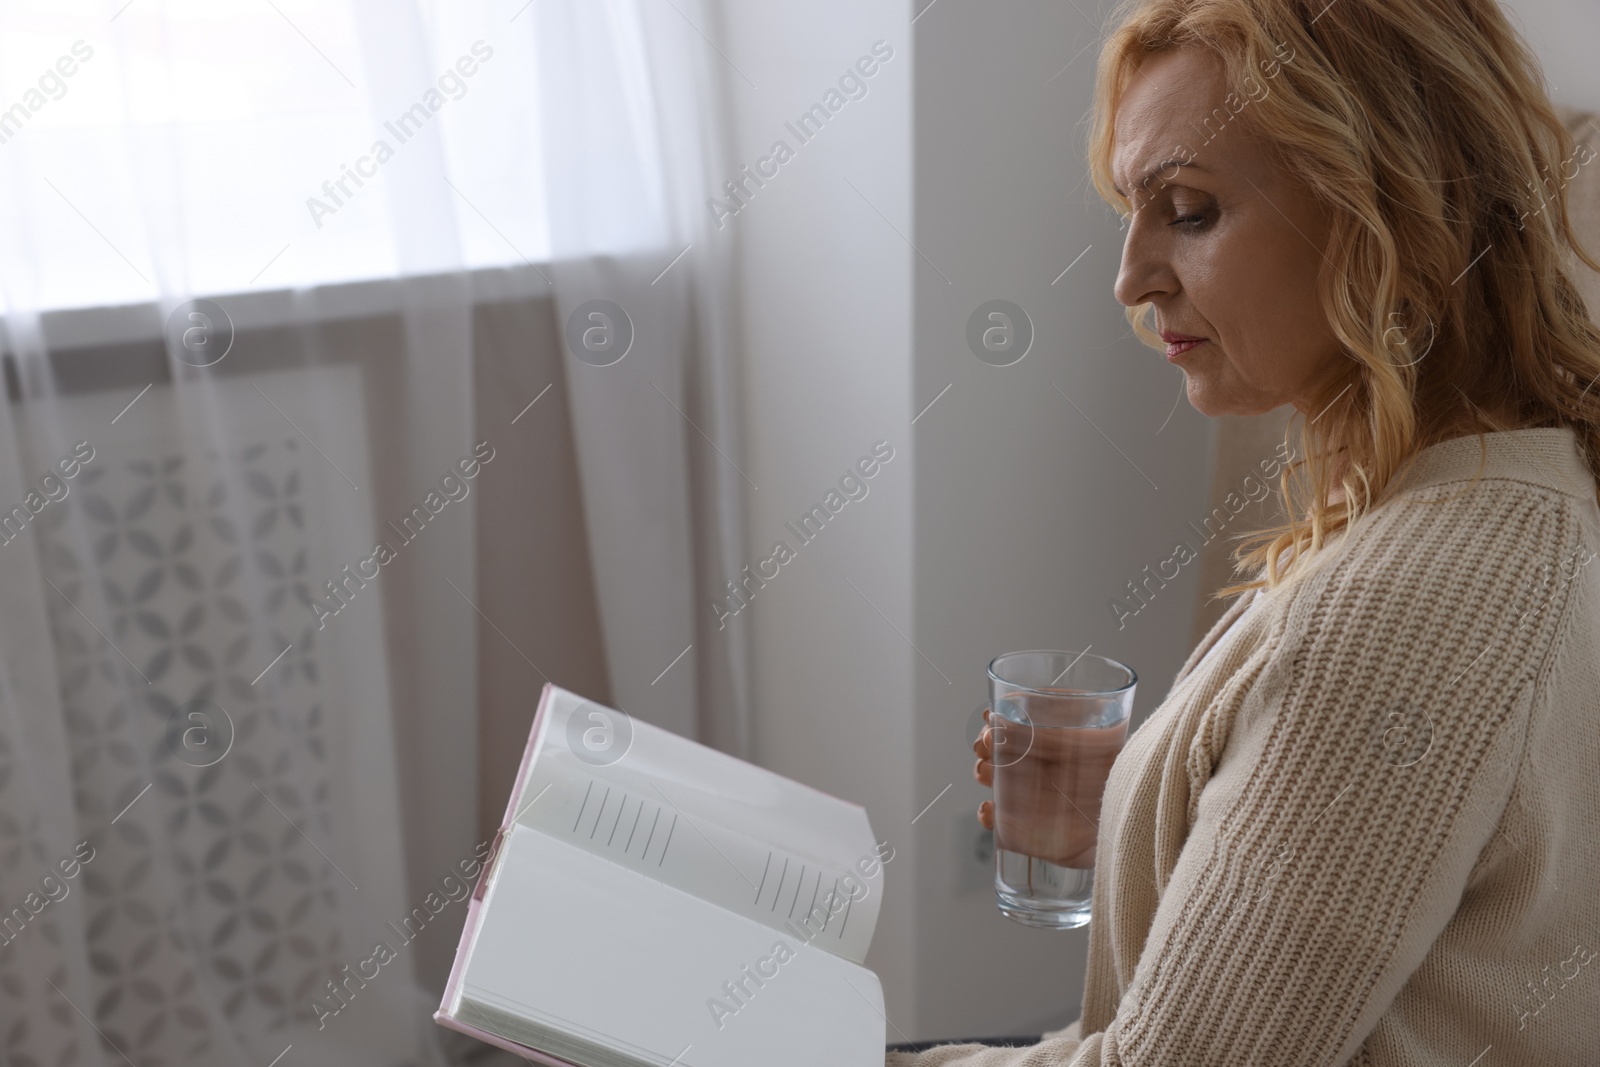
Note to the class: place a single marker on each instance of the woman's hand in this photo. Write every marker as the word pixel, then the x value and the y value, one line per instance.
pixel 1051 782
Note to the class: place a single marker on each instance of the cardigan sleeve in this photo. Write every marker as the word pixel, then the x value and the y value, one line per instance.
pixel 1346 800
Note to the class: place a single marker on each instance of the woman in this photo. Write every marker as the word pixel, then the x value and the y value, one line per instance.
pixel 1364 825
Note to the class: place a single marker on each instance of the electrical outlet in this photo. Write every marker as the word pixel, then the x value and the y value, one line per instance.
pixel 974 847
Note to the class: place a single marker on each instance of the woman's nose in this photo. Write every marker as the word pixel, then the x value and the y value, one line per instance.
pixel 1144 273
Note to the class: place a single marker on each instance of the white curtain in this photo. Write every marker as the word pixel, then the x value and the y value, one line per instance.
pixel 240 467
pixel 636 144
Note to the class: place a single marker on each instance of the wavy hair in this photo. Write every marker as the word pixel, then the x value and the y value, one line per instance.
pixel 1424 127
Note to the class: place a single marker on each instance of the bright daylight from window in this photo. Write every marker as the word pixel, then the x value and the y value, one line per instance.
pixel 227 147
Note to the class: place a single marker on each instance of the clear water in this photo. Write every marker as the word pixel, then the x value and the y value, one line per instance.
pixel 1036 892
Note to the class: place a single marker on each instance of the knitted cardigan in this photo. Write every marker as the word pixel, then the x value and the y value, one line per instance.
pixel 1365 829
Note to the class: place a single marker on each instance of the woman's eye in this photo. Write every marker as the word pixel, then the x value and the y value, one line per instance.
pixel 1190 222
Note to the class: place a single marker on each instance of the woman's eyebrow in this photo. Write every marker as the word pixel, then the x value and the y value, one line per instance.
pixel 1158 168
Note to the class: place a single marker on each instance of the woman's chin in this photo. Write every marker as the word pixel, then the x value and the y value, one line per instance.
pixel 1214 403
pixel 1203 399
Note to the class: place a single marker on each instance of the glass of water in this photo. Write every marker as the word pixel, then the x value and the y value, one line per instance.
pixel 1057 722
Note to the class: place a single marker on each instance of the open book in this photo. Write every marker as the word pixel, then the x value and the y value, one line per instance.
pixel 649 900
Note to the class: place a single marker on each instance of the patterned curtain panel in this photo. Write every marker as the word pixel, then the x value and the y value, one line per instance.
pixel 207 834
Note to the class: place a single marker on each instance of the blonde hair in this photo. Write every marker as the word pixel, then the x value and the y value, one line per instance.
pixel 1424 127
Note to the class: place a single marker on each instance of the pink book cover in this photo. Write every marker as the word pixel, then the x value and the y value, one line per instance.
pixel 476 903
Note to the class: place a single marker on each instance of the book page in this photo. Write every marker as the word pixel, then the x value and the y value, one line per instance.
pixel 776 852
pixel 832 907
pixel 574 951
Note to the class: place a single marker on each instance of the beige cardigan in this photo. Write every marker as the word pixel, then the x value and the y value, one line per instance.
pixel 1366 830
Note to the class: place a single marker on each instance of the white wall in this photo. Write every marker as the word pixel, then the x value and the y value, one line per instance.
pixel 827 342
pixel 1565 34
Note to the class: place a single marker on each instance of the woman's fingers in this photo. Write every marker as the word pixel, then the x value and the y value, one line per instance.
pixel 983 769
pixel 986 814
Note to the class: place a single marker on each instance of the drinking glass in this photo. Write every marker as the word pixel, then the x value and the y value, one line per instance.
pixel 1057 722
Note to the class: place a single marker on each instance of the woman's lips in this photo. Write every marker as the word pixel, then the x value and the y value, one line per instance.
pixel 1178 348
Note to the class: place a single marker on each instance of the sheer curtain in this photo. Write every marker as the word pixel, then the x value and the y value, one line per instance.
pixel 636 143
pixel 244 251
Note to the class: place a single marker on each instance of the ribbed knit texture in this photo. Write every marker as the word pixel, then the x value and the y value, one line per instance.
pixel 1367 829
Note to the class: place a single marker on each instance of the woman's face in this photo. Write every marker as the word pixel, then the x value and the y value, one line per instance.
pixel 1227 246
